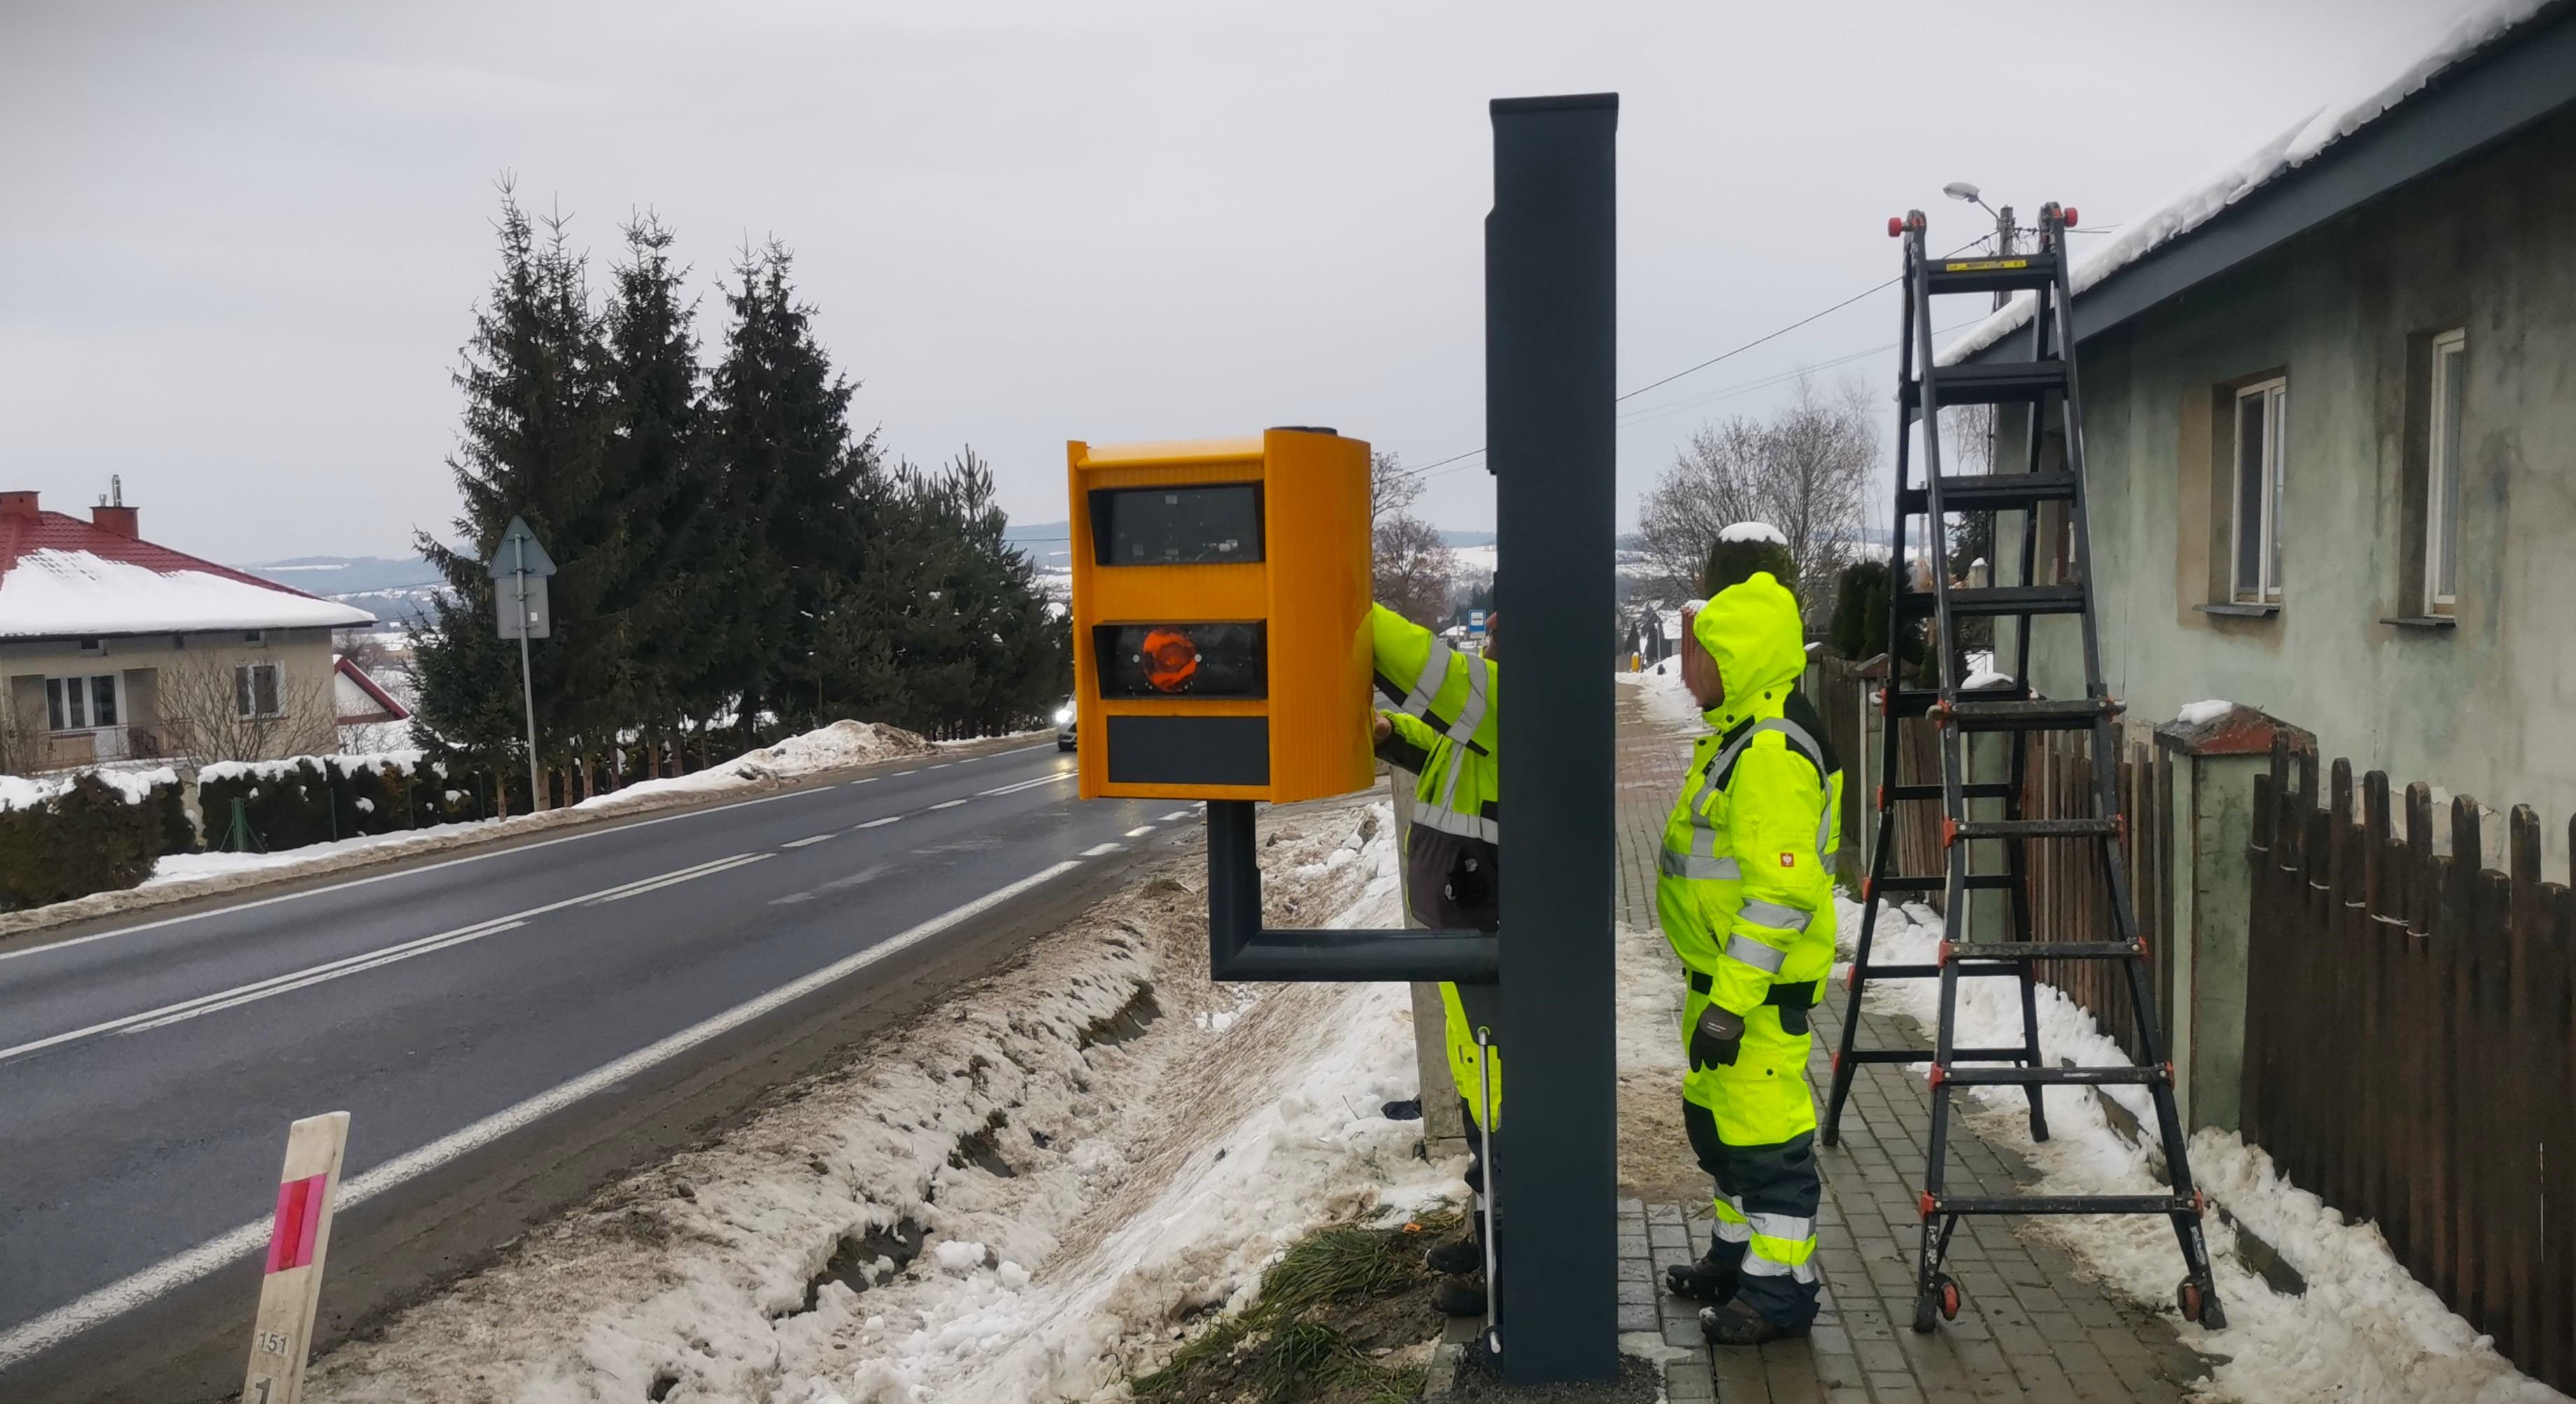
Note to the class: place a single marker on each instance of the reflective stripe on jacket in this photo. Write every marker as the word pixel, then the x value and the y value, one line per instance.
pixel 1745 878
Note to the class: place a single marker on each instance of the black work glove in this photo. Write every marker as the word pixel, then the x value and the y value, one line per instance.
pixel 1716 1039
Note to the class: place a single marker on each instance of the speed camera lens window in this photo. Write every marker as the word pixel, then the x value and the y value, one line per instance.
pixel 1181 660
pixel 1215 524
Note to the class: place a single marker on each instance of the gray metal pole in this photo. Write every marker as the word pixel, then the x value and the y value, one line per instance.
pixel 527 683
pixel 1551 323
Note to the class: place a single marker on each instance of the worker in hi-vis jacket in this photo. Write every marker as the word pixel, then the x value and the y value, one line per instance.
pixel 1442 727
pixel 1744 889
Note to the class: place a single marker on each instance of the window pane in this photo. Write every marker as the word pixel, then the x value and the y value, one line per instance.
pixel 75 704
pixel 54 718
pixel 2278 410
pixel 102 696
pixel 2450 379
pixel 241 690
pixel 264 688
pixel 2249 496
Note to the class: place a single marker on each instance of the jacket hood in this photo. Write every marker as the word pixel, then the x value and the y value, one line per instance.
pixel 1753 631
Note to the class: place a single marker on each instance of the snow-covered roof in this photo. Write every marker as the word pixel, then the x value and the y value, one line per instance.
pixel 2208 197
pixel 64 577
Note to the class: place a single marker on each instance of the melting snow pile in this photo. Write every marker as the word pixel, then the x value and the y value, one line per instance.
pixel 1660 689
pixel 1029 1193
pixel 842 744
pixel 2365 1330
pixel 2201 713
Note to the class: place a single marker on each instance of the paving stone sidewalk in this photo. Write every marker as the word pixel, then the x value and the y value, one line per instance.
pixel 2030 1327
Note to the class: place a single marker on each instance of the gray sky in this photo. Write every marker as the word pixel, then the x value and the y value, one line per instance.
pixel 240 244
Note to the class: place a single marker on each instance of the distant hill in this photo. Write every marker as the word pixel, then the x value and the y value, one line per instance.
pixel 396 589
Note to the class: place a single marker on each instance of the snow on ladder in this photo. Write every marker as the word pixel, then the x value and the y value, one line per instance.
pixel 2045 377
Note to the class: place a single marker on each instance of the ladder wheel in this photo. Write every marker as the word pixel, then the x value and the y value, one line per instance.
pixel 1936 1303
pixel 1949 1299
pixel 2199 1304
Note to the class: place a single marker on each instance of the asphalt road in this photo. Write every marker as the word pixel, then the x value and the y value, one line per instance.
pixel 507 1030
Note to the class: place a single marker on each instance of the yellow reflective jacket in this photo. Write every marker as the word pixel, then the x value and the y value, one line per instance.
pixel 1745 879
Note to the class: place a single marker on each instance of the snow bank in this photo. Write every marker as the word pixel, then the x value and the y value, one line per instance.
pixel 2365 1331
pixel 192 868
pixel 835 747
pixel 2204 199
pixel 1659 690
pixel 1068 1186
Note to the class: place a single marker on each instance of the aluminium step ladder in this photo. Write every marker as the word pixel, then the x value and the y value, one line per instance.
pixel 2045 377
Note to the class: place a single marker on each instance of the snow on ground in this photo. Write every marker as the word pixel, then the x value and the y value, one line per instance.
pixel 2365 1331
pixel 1660 688
pixel 2205 199
pixel 206 867
pixel 1082 1194
pixel 842 744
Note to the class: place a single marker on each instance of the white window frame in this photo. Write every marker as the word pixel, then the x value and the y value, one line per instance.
pixel 71 703
pixel 2265 588
pixel 246 690
pixel 2442 473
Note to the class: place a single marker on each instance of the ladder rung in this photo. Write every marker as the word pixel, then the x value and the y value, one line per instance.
pixel 1990 492
pixel 1983 789
pixel 1927 972
pixel 2043 950
pixel 1989 383
pixel 1934 882
pixel 2036 828
pixel 2053 1077
pixel 1917 701
pixel 1999 599
pixel 2016 272
pixel 1924 1055
pixel 2031 714
pixel 2062 1204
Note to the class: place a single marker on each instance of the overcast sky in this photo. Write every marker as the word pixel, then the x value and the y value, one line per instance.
pixel 240 245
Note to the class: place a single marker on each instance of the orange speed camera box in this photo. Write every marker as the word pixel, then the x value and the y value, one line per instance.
pixel 1220 614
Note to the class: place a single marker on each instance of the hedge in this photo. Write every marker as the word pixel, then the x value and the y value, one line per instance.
pixel 87 837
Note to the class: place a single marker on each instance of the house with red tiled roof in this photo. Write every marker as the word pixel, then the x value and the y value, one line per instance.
pixel 114 648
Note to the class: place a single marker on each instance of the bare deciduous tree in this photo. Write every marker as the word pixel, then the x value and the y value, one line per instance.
pixel 1805 471
pixel 1414 573
pixel 1392 486
pixel 205 713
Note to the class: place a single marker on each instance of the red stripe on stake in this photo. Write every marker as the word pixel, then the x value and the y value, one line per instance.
pixel 299 1218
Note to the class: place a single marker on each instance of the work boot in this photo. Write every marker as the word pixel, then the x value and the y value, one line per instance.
pixel 1707 1280
pixel 1465 1253
pixel 1738 1324
pixel 1459 1294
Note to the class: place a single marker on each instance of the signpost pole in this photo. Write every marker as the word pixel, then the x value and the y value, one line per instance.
pixel 1551 262
pixel 527 684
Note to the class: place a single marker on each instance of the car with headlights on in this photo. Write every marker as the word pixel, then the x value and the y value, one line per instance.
pixel 1064 726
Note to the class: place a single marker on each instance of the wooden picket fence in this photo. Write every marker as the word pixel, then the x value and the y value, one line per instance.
pixel 2410 1053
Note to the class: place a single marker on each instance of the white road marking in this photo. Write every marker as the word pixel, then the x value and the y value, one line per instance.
pixel 948 804
pixel 1140 831
pixel 943 765
pixel 1098 850
pixel 864 780
pixel 902 773
pixel 810 842
pixel 117 1298
pixel 1017 786
pixel 350 965
pixel 881 823
pixel 1178 814
pixel 741 860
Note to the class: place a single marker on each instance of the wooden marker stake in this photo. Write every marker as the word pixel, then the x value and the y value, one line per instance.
pixel 283 1334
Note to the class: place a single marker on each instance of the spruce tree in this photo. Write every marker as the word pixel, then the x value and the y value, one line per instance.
pixel 529 447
